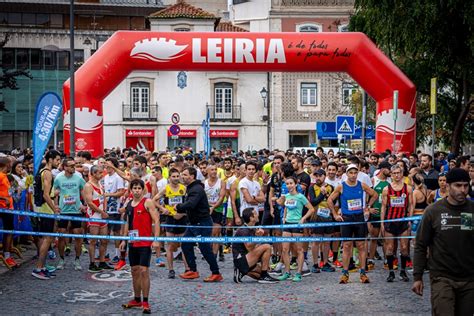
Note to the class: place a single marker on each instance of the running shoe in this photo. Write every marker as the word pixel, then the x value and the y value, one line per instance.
pixel 315 269
pixel 51 275
pixel 293 266
pixel 214 278
pixel 115 260
pixel 391 277
pixel 328 268
pixel 297 277
pixel 93 268
pixel 120 265
pixel 265 278
pixel 337 263
pixel 61 265
pixel 84 249
pixel 409 264
pixel 403 276
pixel 370 265
pixel 331 255
pixel 321 264
pixel 305 271
pixel 77 265
pixel 67 251
pixel 364 278
pixel 377 256
pixel 285 276
pixel 40 274
pixel 227 249
pixel 189 275
pixel 132 304
pixel 160 262
pixel 344 279
pixel 278 270
pixel 11 263
pixel 238 276
pixel 105 266
pixel 146 308
pixel 171 274
pixel 52 254
pixel 50 269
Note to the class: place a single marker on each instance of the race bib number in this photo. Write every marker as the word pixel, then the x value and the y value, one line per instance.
pixel 213 198
pixel 324 212
pixel 175 200
pixel 133 234
pixel 397 201
pixel 69 200
pixel 354 205
pixel 261 207
pixel 290 203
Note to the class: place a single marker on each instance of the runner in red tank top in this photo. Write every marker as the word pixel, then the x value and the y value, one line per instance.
pixel 96 208
pixel 397 203
pixel 141 215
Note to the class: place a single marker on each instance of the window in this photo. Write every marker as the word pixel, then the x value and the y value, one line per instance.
pixel 28 19
pixel 140 99
pixel 343 28
pixel 49 59
pixel 309 93
pixel 309 28
pixel 22 60
pixel 78 58
pixel 63 60
pixel 182 29
pixel 14 18
pixel 223 99
pixel 36 59
pixel 348 90
pixel 8 57
pixel 42 19
pixel 56 20
pixel 3 18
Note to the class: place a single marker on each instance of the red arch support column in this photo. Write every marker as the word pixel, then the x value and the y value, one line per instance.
pixel 353 53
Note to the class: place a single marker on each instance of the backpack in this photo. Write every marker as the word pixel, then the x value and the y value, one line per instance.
pixel 38 188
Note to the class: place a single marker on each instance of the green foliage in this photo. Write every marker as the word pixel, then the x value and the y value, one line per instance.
pixel 428 38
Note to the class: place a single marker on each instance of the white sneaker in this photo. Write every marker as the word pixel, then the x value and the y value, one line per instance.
pixel 61 265
pixel 77 265
pixel 278 269
pixel 305 271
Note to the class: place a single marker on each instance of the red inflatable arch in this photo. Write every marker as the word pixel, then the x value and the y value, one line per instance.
pixel 353 53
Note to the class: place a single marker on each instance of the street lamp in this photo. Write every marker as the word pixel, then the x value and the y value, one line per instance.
pixel 264 94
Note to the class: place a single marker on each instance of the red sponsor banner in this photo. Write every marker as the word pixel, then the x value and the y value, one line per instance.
pixel 140 133
pixel 185 133
pixel 224 133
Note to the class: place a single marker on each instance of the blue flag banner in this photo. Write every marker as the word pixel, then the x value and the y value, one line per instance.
pixel 47 113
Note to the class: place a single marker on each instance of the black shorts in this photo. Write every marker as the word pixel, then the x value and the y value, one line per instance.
pixel 396 228
pixel 115 227
pixel 293 230
pixel 139 256
pixel 375 218
pixel 46 225
pixel 63 223
pixel 242 265
pixel 34 223
pixel 277 215
pixel 323 230
pixel 7 219
pixel 170 220
pixel 354 231
pixel 217 218
pixel 267 218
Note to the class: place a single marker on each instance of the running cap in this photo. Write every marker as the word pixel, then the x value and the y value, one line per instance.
pixel 457 175
pixel 352 166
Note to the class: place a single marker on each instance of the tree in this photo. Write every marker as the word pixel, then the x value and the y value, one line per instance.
pixel 8 77
pixel 428 38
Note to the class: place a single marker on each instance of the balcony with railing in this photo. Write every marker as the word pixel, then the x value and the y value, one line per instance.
pixel 225 113
pixel 133 112
pixel 311 3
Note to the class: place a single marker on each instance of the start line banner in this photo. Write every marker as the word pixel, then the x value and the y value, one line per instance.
pixel 220 240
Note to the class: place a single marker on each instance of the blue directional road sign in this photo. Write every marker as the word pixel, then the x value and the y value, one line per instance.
pixel 345 125
pixel 174 129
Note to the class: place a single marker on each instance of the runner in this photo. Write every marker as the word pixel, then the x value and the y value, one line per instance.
pixel 196 207
pixel 171 195
pixel 351 193
pixel 96 208
pixel 141 215
pixel 334 181
pixel 250 191
pixel 397 203
pixel 380 181
pixel 318 195
pixel 294 203
pixel 440 193
pixel 215 191
pixel 70 186
pixel 447 230
pixel 114 188
pixel 250 258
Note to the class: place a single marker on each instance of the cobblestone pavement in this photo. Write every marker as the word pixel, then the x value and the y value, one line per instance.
pixel 80 293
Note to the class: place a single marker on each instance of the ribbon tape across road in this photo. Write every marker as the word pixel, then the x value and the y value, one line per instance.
pixel 57 216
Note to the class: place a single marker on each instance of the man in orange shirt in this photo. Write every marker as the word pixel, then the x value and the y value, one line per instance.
pixel 6 202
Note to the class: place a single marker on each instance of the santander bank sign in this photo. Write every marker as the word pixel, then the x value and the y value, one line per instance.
pixel 213 50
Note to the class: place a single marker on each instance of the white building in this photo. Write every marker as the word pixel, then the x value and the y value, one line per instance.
pixel 138 112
